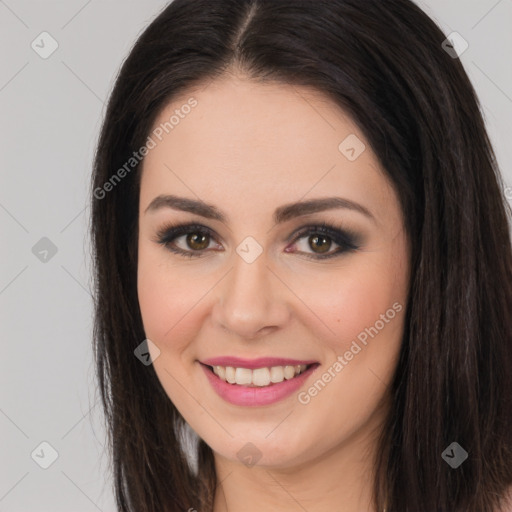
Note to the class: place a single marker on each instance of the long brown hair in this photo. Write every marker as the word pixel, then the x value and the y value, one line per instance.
pixel 384 64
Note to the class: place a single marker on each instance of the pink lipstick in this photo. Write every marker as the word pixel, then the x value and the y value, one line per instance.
pixel 256 382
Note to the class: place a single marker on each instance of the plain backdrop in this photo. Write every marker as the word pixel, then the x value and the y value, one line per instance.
pixel 51 110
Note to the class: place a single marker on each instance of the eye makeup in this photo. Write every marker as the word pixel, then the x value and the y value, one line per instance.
pixel 346 240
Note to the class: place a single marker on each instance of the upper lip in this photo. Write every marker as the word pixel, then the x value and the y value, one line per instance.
pixel 260 362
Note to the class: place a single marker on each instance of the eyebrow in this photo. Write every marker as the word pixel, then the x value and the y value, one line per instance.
pixel 282 214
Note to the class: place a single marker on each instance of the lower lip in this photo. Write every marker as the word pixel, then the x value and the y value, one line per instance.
pixel 256 396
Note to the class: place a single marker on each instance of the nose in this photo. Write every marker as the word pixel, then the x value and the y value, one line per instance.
pixel 251 300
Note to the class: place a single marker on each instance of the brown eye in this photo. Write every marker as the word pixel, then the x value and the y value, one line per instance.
pixel 194 239
pixel 198 241
pixel 325 241
pixel 321 242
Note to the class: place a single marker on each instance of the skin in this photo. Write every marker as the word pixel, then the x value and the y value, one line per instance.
pixel 248 148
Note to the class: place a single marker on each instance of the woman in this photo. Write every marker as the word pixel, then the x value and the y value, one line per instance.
pixel 303 266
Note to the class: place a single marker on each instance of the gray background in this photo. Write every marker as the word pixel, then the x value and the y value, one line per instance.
pixel 50 116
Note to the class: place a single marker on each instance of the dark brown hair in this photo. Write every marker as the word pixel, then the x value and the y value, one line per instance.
pixel 383 63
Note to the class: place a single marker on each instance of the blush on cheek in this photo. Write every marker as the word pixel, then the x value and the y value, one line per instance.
pixel 344 309
pixel 157 314
pixel 170 315
pixel 368 329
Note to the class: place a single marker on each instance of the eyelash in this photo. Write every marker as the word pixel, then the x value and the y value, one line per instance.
pixel 344 238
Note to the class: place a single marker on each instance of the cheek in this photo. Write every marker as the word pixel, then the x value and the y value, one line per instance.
pixel 366 309
pixel 344 302
pixel 166 300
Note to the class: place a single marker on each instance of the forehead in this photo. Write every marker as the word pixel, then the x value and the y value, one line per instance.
pixel 245 119
pixel 267 143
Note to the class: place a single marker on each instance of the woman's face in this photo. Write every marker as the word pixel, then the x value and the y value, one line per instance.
pixel 252 282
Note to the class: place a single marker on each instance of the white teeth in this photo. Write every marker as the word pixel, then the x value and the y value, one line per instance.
pixel 243 376
pixel 260 376
pixel 230 374
pixel 289 372
pixel 221 372
pixel 276 374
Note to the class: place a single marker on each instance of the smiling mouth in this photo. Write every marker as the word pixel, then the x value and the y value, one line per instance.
pixel 258 377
